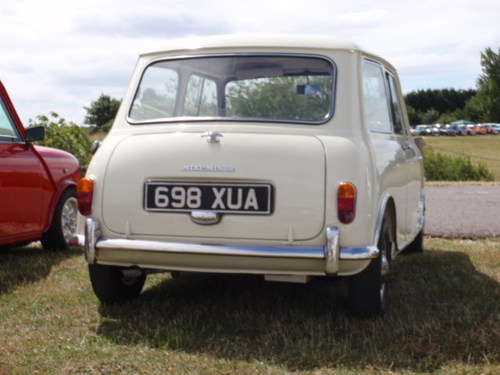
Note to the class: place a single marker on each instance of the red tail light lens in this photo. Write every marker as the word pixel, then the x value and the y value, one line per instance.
pixel 84 193
pixel 346 202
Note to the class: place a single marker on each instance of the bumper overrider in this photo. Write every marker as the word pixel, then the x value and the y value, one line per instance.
pixel 178 256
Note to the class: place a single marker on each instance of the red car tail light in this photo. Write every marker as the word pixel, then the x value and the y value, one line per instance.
pixel 346 202
pixel 84 192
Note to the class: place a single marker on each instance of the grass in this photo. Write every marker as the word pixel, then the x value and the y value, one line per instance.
pixel 483 148
pixel 444 319
pixel 440 166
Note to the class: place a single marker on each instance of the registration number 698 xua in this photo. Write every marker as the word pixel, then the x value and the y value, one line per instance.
pixel 186 197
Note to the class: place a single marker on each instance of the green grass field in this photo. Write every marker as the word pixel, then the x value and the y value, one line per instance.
pixel 482 148
pixel 443 319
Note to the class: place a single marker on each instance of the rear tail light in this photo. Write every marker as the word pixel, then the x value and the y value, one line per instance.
pixel 346 202
pixel 84 193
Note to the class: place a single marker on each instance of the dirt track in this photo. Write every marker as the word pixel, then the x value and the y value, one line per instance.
pixel 462 211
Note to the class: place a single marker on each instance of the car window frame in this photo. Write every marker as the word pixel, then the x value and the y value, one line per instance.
pixel 394 94
pixel 330 115
pixel 386 96
pixel 390 95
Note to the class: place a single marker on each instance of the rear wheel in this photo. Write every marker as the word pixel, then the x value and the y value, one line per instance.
pixel 113 284
pixel 368 289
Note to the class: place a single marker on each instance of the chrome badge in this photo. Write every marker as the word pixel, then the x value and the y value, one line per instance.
pixel 212 137
pixel 208 168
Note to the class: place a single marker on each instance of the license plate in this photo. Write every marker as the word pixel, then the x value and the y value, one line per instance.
pixel 215 197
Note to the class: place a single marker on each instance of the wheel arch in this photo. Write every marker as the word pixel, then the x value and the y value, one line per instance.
pixel 387 207
pixel 63 186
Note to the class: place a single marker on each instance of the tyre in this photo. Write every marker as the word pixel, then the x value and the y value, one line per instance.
pixel 417 245
pixel 63 225
pixel 111 284
pixel 368 289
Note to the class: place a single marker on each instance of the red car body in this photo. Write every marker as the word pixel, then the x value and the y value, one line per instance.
pixel 37 184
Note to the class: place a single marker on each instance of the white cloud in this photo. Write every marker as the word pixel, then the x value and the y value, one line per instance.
pixel 60 55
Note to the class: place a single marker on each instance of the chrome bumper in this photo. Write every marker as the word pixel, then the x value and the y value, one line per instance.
pixel 329 255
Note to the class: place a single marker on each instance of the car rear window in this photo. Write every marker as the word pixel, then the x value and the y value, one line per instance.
pixel 237 87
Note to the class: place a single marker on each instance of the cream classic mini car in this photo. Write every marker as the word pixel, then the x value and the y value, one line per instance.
pixel 285 156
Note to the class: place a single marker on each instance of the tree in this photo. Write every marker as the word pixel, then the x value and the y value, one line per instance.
pixel 64 135
pixel 430 116
pixel 486 104
pixel 281 98
pixel 413 115
pixel 423 104
pixel 449 117
pixel 442 100
pixel 102 112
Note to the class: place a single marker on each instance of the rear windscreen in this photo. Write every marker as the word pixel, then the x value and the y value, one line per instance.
pixel 247 87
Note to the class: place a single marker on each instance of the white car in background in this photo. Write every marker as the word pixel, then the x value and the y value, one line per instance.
pixel 285 156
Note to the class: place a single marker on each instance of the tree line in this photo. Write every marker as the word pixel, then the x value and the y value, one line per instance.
pixel 433 106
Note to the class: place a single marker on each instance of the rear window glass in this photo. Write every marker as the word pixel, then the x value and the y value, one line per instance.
pixel 246 87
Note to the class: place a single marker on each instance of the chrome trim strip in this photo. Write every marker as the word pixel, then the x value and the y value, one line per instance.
pixel 229 250
pixel 349 253
pixel 359 253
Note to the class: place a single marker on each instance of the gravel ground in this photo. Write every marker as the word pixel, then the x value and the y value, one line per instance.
pixel 462 211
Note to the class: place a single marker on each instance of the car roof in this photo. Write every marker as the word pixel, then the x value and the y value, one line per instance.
pixel 256 41
pixel 253 42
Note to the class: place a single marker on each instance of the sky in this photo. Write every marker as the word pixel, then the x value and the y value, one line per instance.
pixel 60 55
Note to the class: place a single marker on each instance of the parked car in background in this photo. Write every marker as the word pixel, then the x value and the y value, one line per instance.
pixel 37 185
pixel 424 130
pixel 496 128
pixel 431 130
pixel 444 129
pixel 288 157
pixel 479 129
pixel 458 129
pixel 490 128
pixel 470 129
pixel 414 132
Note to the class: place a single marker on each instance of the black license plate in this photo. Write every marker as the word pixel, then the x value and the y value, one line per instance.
pixel 215 197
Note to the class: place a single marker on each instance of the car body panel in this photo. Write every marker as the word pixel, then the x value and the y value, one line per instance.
pixel 293 165
pixel 22 190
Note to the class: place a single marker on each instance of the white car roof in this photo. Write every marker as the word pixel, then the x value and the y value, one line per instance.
pixel 266 42
pixel 255 41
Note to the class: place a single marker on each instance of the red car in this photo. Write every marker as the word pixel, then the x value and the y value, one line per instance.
pixel 37 185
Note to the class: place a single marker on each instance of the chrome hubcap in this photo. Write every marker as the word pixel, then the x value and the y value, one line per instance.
pixel 68 218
